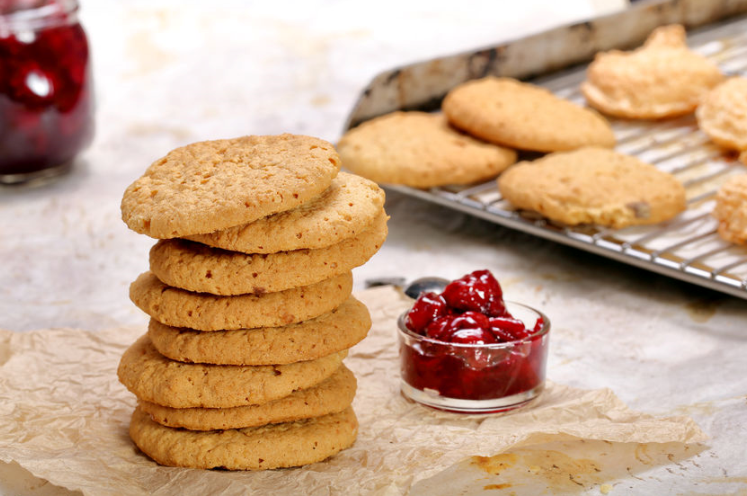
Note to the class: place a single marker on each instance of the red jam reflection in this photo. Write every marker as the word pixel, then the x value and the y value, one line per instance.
pixel 45 87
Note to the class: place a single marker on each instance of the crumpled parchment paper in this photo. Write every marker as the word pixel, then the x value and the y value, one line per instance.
pixel 65 418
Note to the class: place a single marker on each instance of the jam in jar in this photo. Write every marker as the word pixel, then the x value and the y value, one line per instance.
pixel 468 350
pixel 45 88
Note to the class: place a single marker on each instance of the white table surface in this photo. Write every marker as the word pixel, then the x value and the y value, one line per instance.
pixel 168 73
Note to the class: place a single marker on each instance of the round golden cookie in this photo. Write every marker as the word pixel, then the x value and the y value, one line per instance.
pixel 329 396
pixel 196 267
pixel 206 312
pixel 731 209
pixel 524 116
pixel 152 377
pixel 594 185
pixel 345 209
pixel 254 448
pixel 213 185
pixel 420 150
pixel 722 114
pixel 663 78
pixel 338 330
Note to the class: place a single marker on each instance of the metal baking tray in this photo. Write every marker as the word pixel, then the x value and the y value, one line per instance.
pixel 687 247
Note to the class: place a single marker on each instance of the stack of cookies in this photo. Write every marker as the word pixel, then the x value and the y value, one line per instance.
pixel 249 294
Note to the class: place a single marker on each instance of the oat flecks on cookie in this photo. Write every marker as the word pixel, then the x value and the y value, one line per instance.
pixel 731 209
pixel 524 116
pixel 342 211
pixel 594 185
pixel 663 78
pixel 290 444
pixel 722 115
pixel 212 185
pixel 421 150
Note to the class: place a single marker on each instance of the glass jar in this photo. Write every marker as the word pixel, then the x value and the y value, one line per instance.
pixel 46 102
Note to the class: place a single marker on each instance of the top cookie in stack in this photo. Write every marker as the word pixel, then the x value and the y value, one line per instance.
pixel 212 185
pixel 249 294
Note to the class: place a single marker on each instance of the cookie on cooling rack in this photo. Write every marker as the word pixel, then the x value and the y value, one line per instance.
pixel 723 114
pixel 731 209
pixel 663 78
pixel 524 116
pixel 594 185
pixel 421 150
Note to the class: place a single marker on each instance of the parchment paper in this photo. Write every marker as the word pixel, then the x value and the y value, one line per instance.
pixel 65 417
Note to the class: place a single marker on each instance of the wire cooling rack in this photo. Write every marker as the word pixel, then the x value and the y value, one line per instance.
pixel 687 247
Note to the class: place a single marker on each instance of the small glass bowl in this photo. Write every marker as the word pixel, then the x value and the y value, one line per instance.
pixel 475 378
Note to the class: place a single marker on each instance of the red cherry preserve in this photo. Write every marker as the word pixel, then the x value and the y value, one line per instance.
pixel 45 88
pixel 468 350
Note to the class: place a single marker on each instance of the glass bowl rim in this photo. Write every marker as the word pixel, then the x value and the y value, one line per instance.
pixel 544 330
pixel 40 17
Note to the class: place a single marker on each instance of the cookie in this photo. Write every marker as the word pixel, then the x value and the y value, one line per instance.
pixel 663 78
pixel 329 396
pixel 344 210
pixel 196 267
pixel 420 150
pixel 594 185
pixel 524 116
pixel 255 448
pixel 213 185
pixel 205 312
pixel 152 377
pixel 340 329
pixel 723 114
pixel 731 209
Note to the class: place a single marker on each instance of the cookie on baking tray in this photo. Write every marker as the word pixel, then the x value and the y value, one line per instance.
pixel 331 332
pixel 212 185
pixel 663 78
pixel 206 312
pixel 421 150
pixel 524 116
pixel 255 448
pixel 594 185
pixel 731 209
pixel 345 209
pixel 152 377
pixel 722 114
pixel 196 267
pixel 332 395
